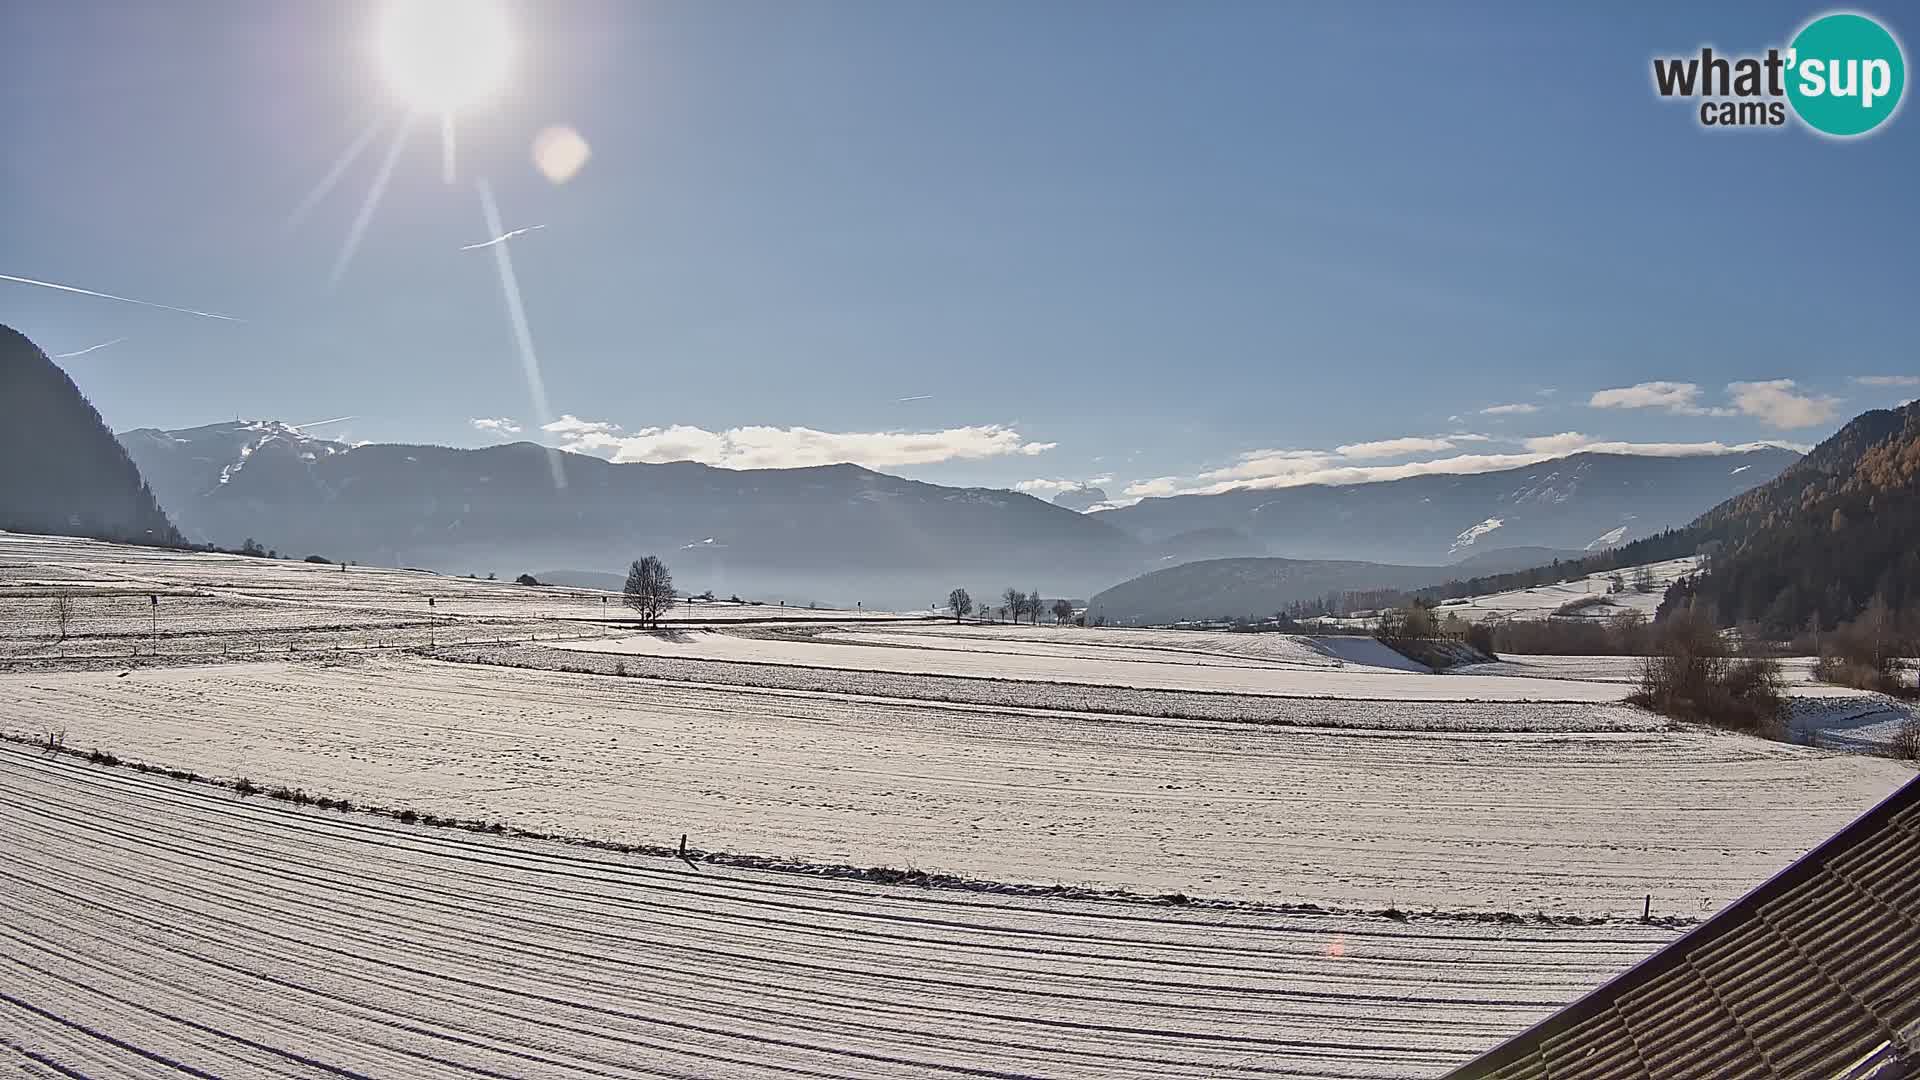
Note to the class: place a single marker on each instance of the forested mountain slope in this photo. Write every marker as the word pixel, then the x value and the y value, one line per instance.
pixel 61 471
pixel 1825 537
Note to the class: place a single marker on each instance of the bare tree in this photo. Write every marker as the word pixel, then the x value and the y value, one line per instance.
pixel 62 613
pixel 960 604
pixel 1034 604
pixel 1015 605
pixel 649 590
pixel 1062 611
pixel 1643 580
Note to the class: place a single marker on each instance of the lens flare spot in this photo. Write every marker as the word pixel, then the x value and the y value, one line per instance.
pixel 560 152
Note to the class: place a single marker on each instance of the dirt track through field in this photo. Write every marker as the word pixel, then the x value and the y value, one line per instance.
pixel 1564 822
pixel 155 928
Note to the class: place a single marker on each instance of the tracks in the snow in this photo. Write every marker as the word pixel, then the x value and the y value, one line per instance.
pixel 149 927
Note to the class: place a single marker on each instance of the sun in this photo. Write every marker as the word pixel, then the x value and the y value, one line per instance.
pixel 443 55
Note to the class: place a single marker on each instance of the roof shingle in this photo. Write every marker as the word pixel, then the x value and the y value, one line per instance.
pixel 1815 973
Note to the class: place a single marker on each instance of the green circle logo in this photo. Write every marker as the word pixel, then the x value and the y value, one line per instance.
pixel 1845 74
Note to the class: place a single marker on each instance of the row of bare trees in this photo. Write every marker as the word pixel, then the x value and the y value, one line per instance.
pixel 1015 605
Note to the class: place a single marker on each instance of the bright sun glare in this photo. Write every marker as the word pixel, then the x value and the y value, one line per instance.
pixel 443 55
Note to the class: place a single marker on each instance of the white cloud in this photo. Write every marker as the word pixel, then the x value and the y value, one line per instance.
pixel 1046 487
pixel 1261 464
pixel 570 425
pixel 1411 444
pixel 1259 469
pixel 1564 443
pixel 763 447
pixel 1679 398
pixel 1516 409
pixel 1570 442
pixel 1159 485
pixel 1887 380
pixel 495 425
pixel 1469 436
pixel 1274 472
pixel 1775 403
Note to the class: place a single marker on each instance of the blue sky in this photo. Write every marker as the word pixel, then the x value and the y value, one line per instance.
pixel 1173 246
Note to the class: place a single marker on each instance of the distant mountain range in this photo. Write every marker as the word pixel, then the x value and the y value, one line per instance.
pixel 835 533
pixel 1581 502
pixel 843 534
pixel 60 469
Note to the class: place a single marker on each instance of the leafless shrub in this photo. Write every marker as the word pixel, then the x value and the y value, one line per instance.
pixel 62 613
pixel 1865 653
pixel 1625 634
pixel 1905 744
pixel 1481 636
pixel 1692 676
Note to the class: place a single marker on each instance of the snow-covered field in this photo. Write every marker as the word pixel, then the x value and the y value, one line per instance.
pixel 1166 646
pixel 149 927
pixel 1269 770
pixel 1540 602
pixel 1796 670
pixel 1851 720
pixel 1562 821
pixel 33 569
pixel 1824 715
pixel 930 655
pixel 1348 713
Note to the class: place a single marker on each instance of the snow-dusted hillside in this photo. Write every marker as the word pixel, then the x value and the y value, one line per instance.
pixel 183 466
pixel 1585 501
pixel 1546 600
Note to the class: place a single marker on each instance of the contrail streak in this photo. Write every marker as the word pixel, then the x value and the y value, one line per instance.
pixel 318 423
pixel 110 296
pixel 334 174
pixel 374 193
pixel 529 363
pixel 916 397
pixel 501 239
pixel 88 349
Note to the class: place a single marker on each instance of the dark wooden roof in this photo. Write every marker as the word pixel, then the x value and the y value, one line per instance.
pixel 1816 973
